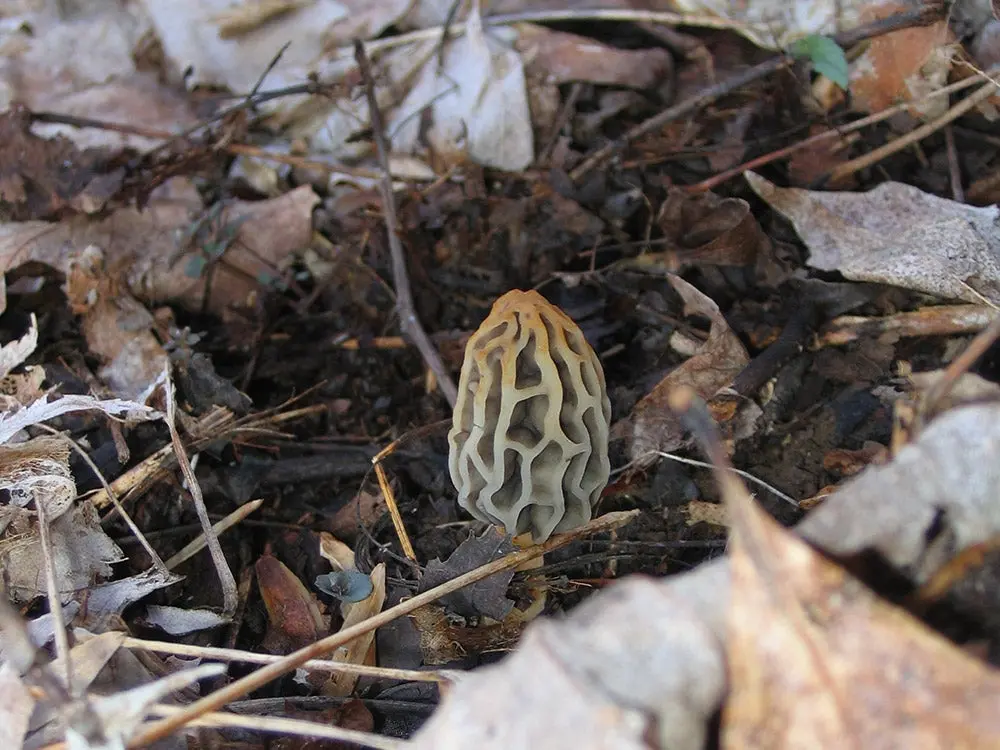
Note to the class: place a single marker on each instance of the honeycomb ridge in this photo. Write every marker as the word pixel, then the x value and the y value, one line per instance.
pixel 528 446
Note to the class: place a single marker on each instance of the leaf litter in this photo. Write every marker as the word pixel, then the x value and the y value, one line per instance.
pixel 238 270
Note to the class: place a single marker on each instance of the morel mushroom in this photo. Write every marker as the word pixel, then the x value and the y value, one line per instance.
pixel 528 446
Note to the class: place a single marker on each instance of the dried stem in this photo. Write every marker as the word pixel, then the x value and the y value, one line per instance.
pixel 973 100
pixel 409 323
pixel 230 598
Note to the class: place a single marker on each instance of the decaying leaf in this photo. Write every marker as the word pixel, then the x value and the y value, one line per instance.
pixel 818 660
pixel 561 57
pixel 292 612
pixel 486 597
pixel 82 63
pixel 707 229
pixel 896 234
pixel 905 65
pixel 48 178
pixel 651 426
pixel 152 250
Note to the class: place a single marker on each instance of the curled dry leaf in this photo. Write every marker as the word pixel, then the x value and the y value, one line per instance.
pixel 818 660
pixel 652 427
pixel 37 472
pixel 477 103
pixel 896 234
pixel 189 31
pixel 706 229
pixel 13 353
pixel 118 329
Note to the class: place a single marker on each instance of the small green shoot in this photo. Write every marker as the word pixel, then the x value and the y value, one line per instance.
pixel 826 55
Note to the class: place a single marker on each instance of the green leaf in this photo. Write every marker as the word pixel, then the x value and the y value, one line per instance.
pixel 195 265
pixel 827 57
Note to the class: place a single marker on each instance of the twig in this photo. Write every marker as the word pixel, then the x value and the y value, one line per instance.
pixel 973 100
pixel 961 364
pixel 745 474
pixel 390 503
pixel 52 589
pixel 250 657
pixel 409 323
pixel 227 582
pixel 197 545
pixel 954 168
pixel 262 676
pixel 284 726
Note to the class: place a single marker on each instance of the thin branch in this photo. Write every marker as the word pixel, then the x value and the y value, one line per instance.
pixel 973 100
pixel 250 657
pixel 409 323
pixel 838 132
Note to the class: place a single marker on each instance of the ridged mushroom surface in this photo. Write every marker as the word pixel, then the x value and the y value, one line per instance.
pixel 528 446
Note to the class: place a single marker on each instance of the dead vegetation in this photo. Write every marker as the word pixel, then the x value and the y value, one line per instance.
pixel 250 253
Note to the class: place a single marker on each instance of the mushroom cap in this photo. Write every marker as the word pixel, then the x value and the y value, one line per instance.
pixel 528 446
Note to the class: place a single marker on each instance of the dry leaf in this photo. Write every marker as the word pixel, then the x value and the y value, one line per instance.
pixel 16 705
pixel 651 425
pixel 477 103
pixel 904 65
pixel 189 33
pixel 13 353
pixel 560 57
pixel 818 660
pixel 898 235
pixel 148 247
pixel 81 64
pixel 486 597
pixel 706 229
pixel 294 619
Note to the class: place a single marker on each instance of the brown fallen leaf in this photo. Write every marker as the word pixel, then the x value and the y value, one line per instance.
pixel 118 329
pixel 50 178
pixel 157 256
pixel 563 57
pixel 708 229
pixel 819 660
pixel 292 612
pixel 652 426
pixel 903 65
